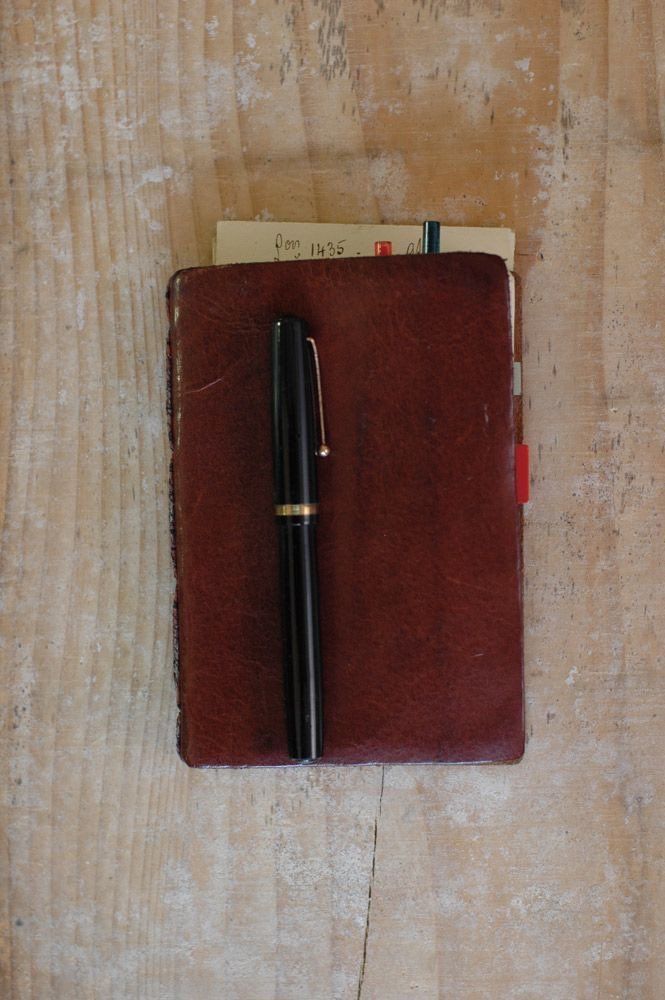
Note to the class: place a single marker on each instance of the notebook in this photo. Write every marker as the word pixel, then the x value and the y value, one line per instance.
pixel 419 545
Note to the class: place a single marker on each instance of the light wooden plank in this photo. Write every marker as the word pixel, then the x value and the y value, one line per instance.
pixel 128 130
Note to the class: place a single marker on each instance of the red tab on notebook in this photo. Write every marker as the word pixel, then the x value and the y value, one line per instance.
pixel 522 473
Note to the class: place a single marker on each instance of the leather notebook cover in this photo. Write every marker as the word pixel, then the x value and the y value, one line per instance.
pixel 419 538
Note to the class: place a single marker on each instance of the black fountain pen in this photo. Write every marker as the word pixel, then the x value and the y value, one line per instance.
pixel 295 373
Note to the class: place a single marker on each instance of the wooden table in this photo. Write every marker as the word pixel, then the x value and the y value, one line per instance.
pixel 128 130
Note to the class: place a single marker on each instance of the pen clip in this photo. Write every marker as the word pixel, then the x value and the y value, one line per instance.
pixel 324 449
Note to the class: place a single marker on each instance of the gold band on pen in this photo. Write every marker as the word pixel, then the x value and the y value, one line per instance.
pixel 296 509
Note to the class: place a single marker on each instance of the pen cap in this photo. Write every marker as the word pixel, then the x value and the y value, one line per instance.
pixel 294 421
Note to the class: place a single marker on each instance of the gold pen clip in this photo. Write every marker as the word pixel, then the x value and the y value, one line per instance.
pixel 324 449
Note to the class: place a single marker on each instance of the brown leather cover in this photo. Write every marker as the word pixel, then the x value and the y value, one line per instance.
pixel 419 530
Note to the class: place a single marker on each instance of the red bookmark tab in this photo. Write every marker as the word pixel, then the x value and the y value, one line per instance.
pixel 383 248
pixel 522 473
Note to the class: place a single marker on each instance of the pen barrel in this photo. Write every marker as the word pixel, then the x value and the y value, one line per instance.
pixel 302 653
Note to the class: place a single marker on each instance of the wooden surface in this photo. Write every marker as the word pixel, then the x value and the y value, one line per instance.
pixel 128 129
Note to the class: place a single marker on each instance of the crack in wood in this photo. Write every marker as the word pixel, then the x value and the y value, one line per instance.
pixel 361 977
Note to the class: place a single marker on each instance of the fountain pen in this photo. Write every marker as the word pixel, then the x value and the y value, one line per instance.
pixel 294 377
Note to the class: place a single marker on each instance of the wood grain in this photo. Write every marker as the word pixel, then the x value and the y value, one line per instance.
pixel 128 129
